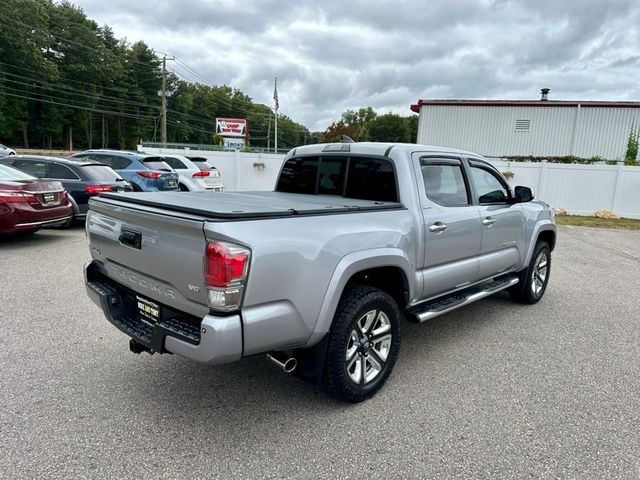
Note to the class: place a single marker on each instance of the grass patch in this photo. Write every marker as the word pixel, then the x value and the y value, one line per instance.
pixel 580 221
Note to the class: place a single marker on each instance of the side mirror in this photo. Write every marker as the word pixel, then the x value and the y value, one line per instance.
pixel 523 194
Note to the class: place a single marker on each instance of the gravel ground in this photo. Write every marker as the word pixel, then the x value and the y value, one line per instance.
pixel 494 390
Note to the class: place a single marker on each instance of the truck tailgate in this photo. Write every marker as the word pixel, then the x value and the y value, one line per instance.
pixel 158 256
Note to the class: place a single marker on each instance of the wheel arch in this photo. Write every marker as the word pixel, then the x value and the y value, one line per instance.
pixel 543 231
pixel 386 268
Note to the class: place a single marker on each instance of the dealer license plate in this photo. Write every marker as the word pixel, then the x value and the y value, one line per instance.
pixel 49 197
pixel 171 183
pixel 147 309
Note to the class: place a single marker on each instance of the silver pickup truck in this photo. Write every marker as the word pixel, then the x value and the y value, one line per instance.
pixel 319 273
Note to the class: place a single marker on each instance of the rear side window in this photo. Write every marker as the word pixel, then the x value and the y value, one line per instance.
pixel 352 177
pixel 156 163
pixel 175 163
pixel 444 182
pixel 61 172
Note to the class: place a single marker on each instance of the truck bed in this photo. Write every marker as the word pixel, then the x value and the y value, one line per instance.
pixel 247 205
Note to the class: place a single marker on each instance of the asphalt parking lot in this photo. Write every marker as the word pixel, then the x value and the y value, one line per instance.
pixel 495 390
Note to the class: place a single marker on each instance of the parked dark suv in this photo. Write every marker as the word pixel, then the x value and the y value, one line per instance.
pixel 81 179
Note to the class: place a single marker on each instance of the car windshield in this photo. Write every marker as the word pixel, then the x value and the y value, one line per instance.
pixel 13 175
pixel 101 172
pixel 157 163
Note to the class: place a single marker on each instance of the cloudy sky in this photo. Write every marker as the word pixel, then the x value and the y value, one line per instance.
pixel 330 55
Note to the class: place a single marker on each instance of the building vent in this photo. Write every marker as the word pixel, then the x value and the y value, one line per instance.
pixel 523 125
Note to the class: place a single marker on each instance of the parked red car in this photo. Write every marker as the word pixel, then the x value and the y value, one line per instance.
pixel 28 204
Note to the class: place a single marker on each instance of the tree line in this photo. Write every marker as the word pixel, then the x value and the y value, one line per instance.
pixel 365 124
pixel 65 80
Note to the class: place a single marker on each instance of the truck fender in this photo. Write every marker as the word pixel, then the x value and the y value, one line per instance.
pixel 543 226
pixel 348 266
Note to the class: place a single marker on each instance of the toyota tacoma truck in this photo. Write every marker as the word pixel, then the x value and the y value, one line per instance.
pixel 319 273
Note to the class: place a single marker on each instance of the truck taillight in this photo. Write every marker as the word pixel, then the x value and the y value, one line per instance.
pixel 226 270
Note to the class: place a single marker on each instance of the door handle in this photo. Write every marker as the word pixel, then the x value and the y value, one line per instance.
pixel 438 227
pixel 488 221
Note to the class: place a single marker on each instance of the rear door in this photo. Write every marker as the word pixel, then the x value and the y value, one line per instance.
pixel 451 225
pixel 503 224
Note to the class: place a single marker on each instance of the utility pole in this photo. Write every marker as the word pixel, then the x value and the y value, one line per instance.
pixel 163 94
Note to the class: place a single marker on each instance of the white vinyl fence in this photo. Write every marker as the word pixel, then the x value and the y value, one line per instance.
pixel 579 189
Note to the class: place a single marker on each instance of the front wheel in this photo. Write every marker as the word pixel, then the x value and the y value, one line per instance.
pixel 535 278
pixel 363 345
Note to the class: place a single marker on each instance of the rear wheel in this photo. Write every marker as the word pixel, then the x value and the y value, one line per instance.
pixel 363 345
pixel 535 278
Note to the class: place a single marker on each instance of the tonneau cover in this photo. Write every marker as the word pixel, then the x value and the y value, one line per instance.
pixel 247 205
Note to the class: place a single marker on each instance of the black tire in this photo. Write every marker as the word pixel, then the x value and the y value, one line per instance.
pixel 524 291
pixel 355 306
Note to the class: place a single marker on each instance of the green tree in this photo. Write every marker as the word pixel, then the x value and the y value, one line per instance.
pixel 389 128
pixel 633 142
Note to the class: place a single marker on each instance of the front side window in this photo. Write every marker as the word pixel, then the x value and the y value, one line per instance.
pixel 489 189
pixel 444 183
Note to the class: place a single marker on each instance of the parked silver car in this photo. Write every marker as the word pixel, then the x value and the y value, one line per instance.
pixel 5 151
pixel 195 174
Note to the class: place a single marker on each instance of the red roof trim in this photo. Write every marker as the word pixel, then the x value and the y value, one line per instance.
pixel 523 103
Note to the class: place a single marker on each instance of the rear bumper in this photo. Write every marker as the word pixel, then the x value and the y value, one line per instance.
pixel 211 340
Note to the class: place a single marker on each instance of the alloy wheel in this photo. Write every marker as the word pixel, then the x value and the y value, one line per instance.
pixel 368 347
pixel 539 274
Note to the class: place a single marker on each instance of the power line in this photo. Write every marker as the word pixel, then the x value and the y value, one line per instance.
pixel 95 110
pixel 115 89
pixel 97 97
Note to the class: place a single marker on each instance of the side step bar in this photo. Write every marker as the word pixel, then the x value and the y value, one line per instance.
pixel 432 308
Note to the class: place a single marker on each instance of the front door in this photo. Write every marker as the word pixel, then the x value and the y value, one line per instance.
pixel 503 225
pixel 452 230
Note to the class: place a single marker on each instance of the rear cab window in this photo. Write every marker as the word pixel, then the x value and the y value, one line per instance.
pixel 362 178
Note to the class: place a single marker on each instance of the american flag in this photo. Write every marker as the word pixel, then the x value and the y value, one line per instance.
pixel 275 94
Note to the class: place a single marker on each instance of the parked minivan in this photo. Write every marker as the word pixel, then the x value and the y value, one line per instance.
pixel 145 173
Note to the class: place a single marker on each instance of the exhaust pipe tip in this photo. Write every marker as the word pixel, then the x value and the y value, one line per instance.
pixel 285 362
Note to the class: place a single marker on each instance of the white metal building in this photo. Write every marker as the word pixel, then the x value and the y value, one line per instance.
pixel 499 128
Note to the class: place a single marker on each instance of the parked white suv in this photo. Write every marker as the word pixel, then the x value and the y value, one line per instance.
pixel 195 174
pixel 5 151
